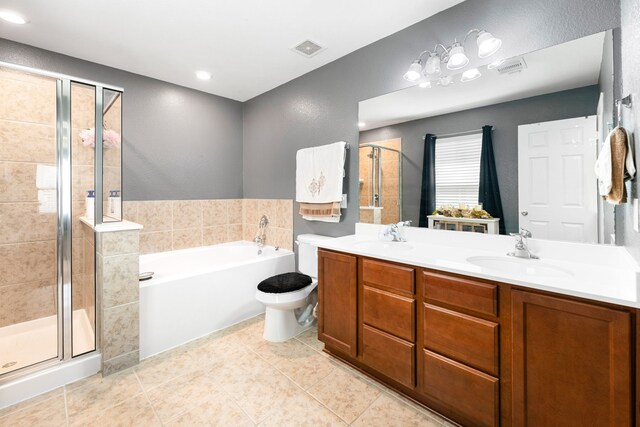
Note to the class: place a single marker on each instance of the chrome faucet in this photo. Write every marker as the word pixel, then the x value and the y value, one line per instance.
pixel 261 235
pixel 395 231
pixel 522 250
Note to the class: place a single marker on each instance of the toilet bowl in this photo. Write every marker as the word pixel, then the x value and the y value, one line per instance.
pixel 288 314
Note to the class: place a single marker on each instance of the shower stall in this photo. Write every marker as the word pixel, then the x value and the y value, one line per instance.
pixel 59 142
pixel 381 182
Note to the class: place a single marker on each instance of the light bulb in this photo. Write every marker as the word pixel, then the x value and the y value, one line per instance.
pixel 414 72
pixel 470 75
pixel 433 64
pixel 13 17
pixel 495 64
pixel 457 58
pixel 487 44
pixel 361 124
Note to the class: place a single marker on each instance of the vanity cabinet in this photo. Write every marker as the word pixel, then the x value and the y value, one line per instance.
pixel 481 353
pixel 337 301
pixel 571 362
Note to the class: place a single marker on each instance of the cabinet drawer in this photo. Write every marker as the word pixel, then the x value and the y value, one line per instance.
pixel 468 396
pixel 468 294
pixel 388 276
pixel 389 355
pixel 463 338
pixel 391 313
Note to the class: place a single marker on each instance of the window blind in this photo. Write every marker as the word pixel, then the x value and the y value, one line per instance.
pixel 458 170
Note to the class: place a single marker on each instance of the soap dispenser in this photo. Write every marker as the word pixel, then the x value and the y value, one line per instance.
pixel 90 204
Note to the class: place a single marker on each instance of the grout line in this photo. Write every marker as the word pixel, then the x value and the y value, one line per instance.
pixel 144 392
pixel 66 407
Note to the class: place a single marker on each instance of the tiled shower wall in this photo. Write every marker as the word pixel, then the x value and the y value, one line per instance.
pixel 390 179
pixel 180 224
pixel 27 228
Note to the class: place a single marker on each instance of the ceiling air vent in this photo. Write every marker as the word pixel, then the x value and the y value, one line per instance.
pixel 308 48
pixel 511 66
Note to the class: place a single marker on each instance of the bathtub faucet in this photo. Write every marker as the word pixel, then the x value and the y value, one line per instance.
pixel 261 235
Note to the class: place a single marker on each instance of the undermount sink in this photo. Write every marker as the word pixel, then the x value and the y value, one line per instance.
pixel 379 245
pixel 527 267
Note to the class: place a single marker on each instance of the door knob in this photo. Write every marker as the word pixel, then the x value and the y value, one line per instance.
pixel 524 213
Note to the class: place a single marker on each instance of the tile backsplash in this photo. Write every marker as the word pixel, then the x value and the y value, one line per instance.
pixel 180 224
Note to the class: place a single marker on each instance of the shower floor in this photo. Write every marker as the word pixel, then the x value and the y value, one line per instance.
pixel 34 341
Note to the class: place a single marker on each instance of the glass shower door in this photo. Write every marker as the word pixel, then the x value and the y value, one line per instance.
pixel 29 292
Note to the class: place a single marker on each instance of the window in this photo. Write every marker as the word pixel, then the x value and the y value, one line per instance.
pixel 458 170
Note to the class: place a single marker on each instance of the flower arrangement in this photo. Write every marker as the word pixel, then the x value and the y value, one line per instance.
pixel 110 138
pixel 452 212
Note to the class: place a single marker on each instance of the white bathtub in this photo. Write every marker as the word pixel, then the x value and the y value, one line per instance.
pixel 197 291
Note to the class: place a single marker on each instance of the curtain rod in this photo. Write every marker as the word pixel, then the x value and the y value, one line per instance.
pixel 448 135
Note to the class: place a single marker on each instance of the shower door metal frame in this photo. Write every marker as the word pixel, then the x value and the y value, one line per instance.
pixel 379 161
pixel 64 215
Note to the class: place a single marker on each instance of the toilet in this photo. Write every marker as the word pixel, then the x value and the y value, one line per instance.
pixel 291 297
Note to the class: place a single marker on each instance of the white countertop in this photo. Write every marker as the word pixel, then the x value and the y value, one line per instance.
pixel 596 272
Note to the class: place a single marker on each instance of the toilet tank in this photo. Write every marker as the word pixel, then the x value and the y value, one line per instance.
pixel 308 254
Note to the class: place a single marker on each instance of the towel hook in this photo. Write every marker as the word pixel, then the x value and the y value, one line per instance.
pixel 626 102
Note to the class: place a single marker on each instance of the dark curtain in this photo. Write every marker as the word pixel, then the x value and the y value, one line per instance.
pixel 428 193
pixel 489 190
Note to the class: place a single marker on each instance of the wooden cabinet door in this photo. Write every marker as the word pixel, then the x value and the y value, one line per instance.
pixel 337 301
pixel 571 363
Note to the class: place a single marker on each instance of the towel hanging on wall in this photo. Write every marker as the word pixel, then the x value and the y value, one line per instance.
pixel 615 165
pixel 319 175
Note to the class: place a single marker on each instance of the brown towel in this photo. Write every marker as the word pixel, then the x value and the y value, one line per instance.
pixel 618 193
pixel 320 209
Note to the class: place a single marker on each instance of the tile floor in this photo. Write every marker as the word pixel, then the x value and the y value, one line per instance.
pixel 230 378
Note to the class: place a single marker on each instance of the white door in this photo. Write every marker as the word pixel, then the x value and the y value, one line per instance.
pixel 557 193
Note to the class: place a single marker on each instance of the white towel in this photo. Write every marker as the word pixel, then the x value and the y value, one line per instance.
pixel 319 173
pixel 321 218
pixel 629 163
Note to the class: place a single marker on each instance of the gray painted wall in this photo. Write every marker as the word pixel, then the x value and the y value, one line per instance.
pixel 178 143
pixel 322 106
pixel 630 35
pixel 505 117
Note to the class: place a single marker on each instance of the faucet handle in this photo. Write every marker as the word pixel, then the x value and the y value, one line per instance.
pixel 404 223
pixel 524 232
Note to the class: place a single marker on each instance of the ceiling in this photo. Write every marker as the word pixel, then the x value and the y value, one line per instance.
pixel 245 45
pixel 562 67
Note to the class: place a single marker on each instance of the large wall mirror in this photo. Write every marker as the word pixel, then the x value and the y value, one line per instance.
pixel 546 112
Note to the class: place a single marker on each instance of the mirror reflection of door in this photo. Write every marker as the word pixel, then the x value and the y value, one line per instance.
pixel 557 188
pixel 380 181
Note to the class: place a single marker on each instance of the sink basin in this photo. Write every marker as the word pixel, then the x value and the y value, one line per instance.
pixel 526 267
pixel 379 245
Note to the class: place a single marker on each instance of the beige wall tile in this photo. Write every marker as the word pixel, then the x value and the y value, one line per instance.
pixel 120 363
pixel 27 301
pixel 267 207
pixel 159 241
pixel 249 232
pixel 83 179
pixel 234 232
pixel 189 238
pixel 187 214
pixel 214 212
pixel 23 222
pixel 284 214
pixel 120 330
pixel 130 211
pixel 32 101
pixel 214 235
pixel 119 242
pixel 18 182
pixel 28 262
pixel 27 142
pixel 155 215
pixel 234 211
pixel 250 211
pixel 119 279
pixel 77 256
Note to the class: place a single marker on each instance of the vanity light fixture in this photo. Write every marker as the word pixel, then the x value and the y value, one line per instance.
pixel 445 81
pixel 13 17
pixel 495 64
pixel 424 83
pixel 470 75
pixel 453 56
pixel 203 75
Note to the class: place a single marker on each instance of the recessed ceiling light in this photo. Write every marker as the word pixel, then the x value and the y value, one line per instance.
pixel 361 124
pixel 203 75
pixel 13 17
